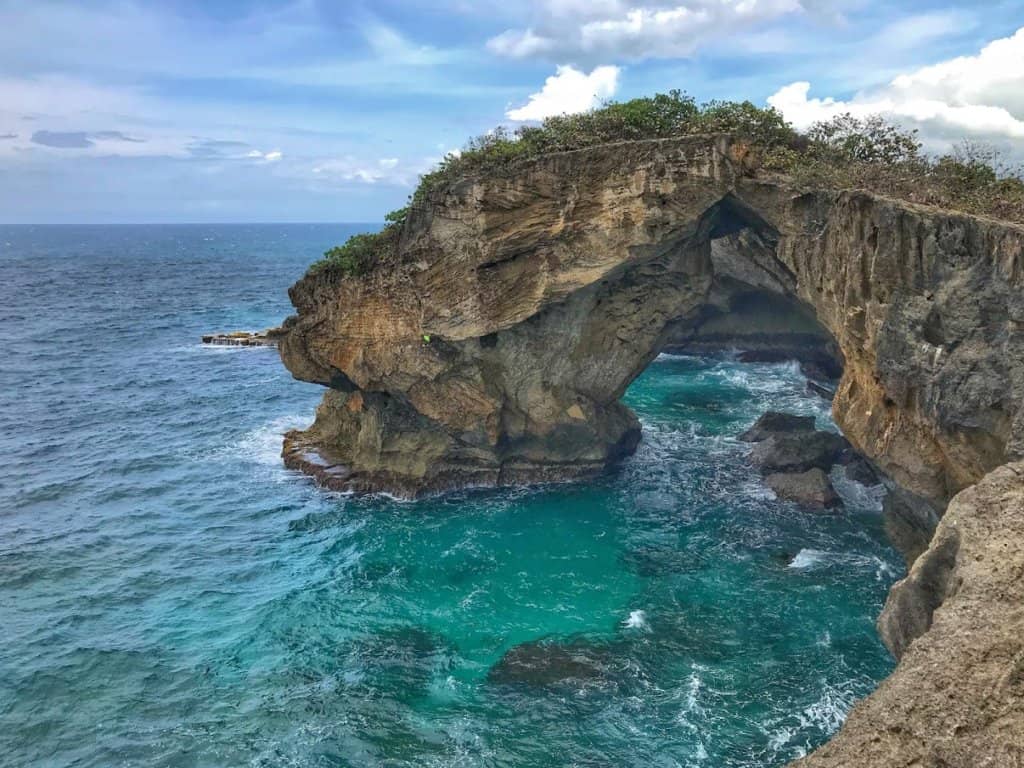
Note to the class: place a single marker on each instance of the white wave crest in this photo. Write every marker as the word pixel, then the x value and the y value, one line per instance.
pixel 637 620
pixel 808 558
pixel 263 445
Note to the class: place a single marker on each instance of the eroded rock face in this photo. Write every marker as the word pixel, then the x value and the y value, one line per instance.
pixel 956 699
pixel 546 289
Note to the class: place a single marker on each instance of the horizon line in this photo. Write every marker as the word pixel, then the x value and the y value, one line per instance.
pixel 175 223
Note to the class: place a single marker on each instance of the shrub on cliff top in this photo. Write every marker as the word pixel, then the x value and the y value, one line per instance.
pixel 358 255
pixel 845 152
pixel 869 153
pixel 662 116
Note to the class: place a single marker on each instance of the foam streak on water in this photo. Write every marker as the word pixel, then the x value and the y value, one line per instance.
pixel 172 596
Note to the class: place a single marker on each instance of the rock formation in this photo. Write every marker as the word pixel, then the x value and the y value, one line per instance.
pixel 795 458
pixel 956 699
pixel 493 345
pixel 811 488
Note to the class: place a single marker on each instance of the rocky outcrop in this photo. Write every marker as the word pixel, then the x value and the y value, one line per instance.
pixel 795 459
pixel 956 699
pixel 493 345
pixel 267 338
pixel 797 451
pixel 772 423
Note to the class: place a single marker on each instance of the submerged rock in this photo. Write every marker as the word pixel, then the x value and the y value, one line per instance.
pixel 543 663
pixel 812 488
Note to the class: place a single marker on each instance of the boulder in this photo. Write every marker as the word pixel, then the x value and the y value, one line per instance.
pixel 775 422
pixel 798 452
pixel 811 488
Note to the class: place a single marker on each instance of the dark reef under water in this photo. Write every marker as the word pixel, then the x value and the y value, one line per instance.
pixel 172 596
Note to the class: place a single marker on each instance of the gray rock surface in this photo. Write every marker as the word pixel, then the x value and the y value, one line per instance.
pixel 797 452
pixel 812 488
pixel 773 422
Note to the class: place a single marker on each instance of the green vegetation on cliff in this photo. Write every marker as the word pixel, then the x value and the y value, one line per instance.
pixel 842 153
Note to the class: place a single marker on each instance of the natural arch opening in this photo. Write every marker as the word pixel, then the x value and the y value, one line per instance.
pixel 539 399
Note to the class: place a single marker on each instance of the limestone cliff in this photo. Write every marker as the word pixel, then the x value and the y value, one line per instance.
pixel 492 347
pixel 546 289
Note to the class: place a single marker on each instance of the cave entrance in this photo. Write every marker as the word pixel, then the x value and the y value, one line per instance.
pixel 751 309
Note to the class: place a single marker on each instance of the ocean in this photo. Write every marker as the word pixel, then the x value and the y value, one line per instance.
pixel 170 595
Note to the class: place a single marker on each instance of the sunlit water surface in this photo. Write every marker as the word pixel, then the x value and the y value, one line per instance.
pixel 171 596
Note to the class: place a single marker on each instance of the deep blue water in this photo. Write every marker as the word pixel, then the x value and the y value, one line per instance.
pixel 171 596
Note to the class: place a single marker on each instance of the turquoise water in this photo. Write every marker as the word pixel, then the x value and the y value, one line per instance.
pixel 171 596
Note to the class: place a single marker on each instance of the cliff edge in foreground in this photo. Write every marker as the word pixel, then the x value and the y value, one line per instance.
pixel 957 696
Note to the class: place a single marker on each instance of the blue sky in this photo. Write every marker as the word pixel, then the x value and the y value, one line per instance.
pixel 309 110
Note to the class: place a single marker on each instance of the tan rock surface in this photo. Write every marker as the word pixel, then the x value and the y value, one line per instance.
pixel 956 699
pixel 553 284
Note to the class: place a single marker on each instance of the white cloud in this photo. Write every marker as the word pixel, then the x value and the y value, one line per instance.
pixel 569 91
pixel 980 96
pixel 386 170
pixel 267 157
pixel 618 29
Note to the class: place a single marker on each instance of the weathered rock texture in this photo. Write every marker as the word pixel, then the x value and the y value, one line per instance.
pixel 956 699
pixel 546 289
pixel 494 345
pixel 812 488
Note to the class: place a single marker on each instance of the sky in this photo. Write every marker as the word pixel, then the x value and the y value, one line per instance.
pixel 311 110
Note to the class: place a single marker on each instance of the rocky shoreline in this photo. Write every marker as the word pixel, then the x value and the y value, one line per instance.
pixel 493 345
pixel 267 338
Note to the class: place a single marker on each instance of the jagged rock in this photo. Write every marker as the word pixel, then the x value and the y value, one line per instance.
pixel 797 452
pixel 821 390
pixel 775 422
pixel 812 488
pixel 821 370
pixel 859 469
pixel 909 523
pixel 956 699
